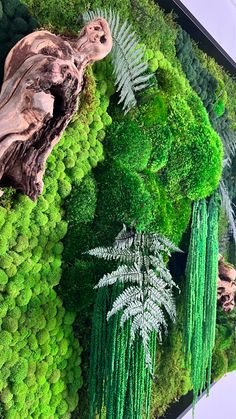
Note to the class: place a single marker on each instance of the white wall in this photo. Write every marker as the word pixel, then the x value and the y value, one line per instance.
pixel 219 19
pixel 220 404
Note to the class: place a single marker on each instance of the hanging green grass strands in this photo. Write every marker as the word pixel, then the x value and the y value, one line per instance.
pixel 148 380
pixel 210 299
pixel 195 278
pixel 140 377
pixel 112 358
pixel 97 356
pixel 117 393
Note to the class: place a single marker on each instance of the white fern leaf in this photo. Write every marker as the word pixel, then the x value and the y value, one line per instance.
pixel 123 274
pixel 169 244
pixel 132 310
pixel 124 238
pixel 152 309
pixel 165 300
pixel 137 324
pixel 127 58
pixel 148 294
pixel 111 253
pixel 131 294
pixel 158 263
pixel 154 280
pixel 156 247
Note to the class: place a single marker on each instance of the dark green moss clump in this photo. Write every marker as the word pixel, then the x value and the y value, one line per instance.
pixel 15 23
pixel 81 204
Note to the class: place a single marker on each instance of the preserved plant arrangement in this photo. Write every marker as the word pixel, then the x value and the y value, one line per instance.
pixel 127 55
pixel 145 286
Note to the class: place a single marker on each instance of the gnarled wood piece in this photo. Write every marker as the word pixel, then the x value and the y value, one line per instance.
pixel 43 77
pixel 226 287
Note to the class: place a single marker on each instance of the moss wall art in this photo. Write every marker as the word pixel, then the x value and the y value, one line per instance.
pixel 146 169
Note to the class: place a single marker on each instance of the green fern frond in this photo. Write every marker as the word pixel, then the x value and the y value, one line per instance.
pixel 127 57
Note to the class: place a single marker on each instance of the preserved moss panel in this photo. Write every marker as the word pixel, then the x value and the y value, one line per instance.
pixel 135 184
pixel 195 163
pixel 172 379
pixel 204 83
pixel 15 22
pixel 224 355
pixel 153 190
pixel 39 367
pixel 226 91
pixel 40 372
pixel 62 15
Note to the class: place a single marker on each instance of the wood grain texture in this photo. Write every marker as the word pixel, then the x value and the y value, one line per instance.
pixel 226 287
pixel 43 77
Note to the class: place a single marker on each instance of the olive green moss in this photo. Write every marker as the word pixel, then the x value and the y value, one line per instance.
pixel 172 379
pixel 224 355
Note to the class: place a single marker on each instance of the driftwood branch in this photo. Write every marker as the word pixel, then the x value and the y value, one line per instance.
pixel 226 287
pixel 43 77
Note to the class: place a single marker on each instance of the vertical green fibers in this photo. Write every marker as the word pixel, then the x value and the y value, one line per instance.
pixel 201 293
pixel 210 301
pixel 119 379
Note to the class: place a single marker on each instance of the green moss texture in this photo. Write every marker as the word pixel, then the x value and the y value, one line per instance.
pixel 143 169
pixel 40 364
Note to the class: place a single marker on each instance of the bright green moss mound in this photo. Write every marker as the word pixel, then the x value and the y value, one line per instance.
pixel 154 111
pixel 129 145
pixel 139 199
pixel 122 196
pixel 195 162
